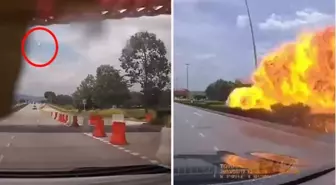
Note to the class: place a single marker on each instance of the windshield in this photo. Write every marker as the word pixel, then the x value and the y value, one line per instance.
pixel 254 87
pixel 94 90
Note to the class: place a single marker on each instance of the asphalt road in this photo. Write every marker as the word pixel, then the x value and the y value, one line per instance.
pixel 201 132
pixel 30 139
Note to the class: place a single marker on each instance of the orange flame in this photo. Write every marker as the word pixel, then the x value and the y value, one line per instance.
pixel 298 72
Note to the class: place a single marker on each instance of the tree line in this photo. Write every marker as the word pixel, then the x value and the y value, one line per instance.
pixel 221 89
pixel 143 61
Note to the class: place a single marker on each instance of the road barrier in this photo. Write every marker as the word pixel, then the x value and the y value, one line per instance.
pixel 68 117
pixel 118 117
pixel 118 136
pixel 59 117
pixel 65 118
pixel 164 151
pixel 85 124
pixel 55 115
pixel 18 107
pixel 99 130
pixel 62 118
pixel 74 122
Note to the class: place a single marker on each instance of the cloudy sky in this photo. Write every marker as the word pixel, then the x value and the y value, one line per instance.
pixel 214 35
pixel 79 54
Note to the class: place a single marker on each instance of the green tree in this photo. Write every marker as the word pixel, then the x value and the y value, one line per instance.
pixel 135 100
pixel 110 87
pixel 84 91
pixel 62 99
pixel 43 101
pixel 50 96
pixel 219 90
pixel 144 62
pixel 165 98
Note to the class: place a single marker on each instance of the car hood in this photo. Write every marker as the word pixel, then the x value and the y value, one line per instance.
pixel 251 143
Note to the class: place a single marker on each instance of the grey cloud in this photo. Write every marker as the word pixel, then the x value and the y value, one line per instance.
pixel 306 17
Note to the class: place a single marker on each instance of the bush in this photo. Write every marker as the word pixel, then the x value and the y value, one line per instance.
pixel 135 113
pixel 162 117
pixel 294 114
pixel 215 103
pixel 106 112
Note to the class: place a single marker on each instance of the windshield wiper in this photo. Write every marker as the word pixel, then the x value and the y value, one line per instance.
pixel 88 172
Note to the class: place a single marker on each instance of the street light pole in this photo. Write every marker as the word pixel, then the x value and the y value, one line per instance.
pixel 187 76
pixel 252 34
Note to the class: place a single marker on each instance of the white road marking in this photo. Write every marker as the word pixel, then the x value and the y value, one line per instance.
pixel 144 157
pixel 215 148
pixel 127 151
pixel 134 153
pixel 201 134
pixel 8 145
pixel 106 141
pixel 198 114
pixel 12 137
pixel 154 161
pixel 1 158
pixel 187 121
pixel 192 126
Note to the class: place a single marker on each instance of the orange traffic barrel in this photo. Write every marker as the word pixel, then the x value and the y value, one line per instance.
pixel 118 136
pixel 99 130
pixel 149 117
pixel 94 119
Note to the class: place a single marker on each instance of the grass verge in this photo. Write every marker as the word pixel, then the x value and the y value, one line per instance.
pixel 294 115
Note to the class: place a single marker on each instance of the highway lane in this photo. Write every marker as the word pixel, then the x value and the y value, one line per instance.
pixel 201 132
pixel 143 141
pixel 21 149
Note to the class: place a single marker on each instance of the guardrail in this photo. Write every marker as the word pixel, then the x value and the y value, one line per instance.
pixel 17 107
